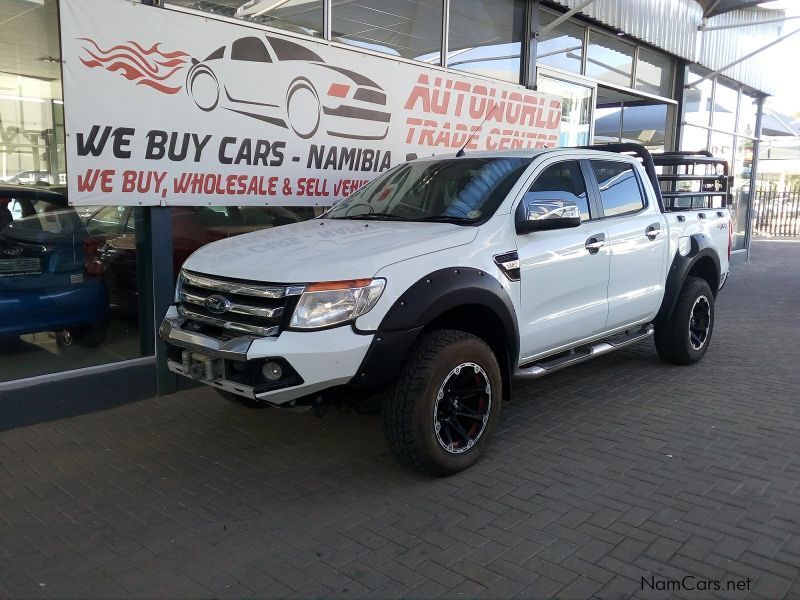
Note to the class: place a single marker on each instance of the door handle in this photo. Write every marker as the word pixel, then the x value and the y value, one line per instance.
pixel 594 243
pixel 652 231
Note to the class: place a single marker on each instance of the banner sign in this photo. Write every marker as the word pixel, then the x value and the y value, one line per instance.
pixel 164 107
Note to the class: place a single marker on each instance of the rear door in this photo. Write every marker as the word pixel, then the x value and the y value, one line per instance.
pixel 564 272
pixel 637 242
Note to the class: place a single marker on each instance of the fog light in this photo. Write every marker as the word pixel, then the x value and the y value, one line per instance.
pixel 272 371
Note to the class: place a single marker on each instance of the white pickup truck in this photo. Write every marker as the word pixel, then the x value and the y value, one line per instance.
pixel 444 279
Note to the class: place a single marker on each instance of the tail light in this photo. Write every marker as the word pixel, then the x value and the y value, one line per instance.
pixel 730 237
pixel 91 255
pixel 339 90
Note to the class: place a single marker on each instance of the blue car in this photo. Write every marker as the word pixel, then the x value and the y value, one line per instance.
pixel 51 277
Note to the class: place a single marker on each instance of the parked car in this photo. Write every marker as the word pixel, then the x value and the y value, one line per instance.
pixel 246 78
pixel 192 228
pixel 50 272
pixel 443 280
pixel 31 177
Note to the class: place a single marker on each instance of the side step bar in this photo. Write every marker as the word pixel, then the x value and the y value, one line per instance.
pixel 581 354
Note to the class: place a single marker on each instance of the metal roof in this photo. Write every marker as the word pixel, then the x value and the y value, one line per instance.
pixel 672 25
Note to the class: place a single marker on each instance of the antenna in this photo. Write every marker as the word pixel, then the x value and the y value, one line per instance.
pixel 460 153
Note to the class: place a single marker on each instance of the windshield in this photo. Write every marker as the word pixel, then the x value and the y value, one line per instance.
pixel 459 190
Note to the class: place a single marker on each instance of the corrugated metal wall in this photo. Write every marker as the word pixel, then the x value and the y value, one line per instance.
pixel 672 26
pixel 720 48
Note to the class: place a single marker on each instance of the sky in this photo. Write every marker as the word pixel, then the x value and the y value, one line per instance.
pixel 783 58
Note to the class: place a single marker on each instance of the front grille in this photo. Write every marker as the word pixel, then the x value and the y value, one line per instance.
pixel 233 306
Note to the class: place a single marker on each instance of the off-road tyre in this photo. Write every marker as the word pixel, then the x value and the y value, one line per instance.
pixel 412 404
pixel 679 339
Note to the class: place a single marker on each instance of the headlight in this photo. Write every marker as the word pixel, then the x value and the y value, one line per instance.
pixel 334 302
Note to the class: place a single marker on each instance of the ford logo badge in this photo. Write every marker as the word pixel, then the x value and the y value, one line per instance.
pixel 217 304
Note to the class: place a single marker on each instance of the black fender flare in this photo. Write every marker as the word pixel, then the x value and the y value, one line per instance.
pixel 428 298
pixel 701 246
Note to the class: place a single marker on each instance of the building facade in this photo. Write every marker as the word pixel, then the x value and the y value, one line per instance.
pixel 649 71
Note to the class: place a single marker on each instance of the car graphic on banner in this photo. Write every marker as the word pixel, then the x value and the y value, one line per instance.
pixel 172 108
pixel 240 78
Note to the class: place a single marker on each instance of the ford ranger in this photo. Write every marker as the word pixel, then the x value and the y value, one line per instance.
pixel 444 279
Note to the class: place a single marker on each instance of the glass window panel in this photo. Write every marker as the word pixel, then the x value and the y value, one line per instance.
pixel 722 146
pixel 561 47
pixel 55 310
pixel 300 16
pixel 609 59
pixel 694 138
pixel 726 101
pixel 697 99
pixel 646 125
pixel 576 109
pixel 409 28
pixel 195 226
pixel 742 170
pixel 748 109
pixel 620 192
pixel 608 124
pixel 486 37
pixel 565 178
pixel 654 73
pixel 106 221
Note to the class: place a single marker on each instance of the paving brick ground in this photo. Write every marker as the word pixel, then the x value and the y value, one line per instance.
pixel 613 471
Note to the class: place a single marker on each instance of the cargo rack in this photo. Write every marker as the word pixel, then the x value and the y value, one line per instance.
pixel 682 180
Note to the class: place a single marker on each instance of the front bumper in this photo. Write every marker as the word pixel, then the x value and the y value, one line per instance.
pixel 313 360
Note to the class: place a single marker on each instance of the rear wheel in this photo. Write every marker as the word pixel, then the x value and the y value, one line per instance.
pixel 683 339
pixel 440 415
pixel 73 339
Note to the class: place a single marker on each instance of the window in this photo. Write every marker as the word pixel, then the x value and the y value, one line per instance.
pixel 653 73
pixel 697 99
pixel 300 16
pixel 411 28
pixel 726 106
pixel 609 59
pixel 620 192
pixel 286 50
pixel 563 181
pixel 486 37
pixel 576 108
pixel 561 47
pixel 249 49
pixel 748 109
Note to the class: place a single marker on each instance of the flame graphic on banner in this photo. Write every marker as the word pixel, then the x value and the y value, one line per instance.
pixel 149 67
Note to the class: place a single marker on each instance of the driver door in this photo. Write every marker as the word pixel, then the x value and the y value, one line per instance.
pixel 563 272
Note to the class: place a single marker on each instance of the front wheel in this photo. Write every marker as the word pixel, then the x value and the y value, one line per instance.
pixel 683 338
pixel 440 415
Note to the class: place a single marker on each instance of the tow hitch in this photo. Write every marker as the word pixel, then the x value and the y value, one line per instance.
pixel 201 367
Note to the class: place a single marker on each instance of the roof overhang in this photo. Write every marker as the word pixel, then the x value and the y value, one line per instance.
pixel 712 8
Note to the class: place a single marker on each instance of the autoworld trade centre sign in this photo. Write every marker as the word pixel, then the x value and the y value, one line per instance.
pixel 163 107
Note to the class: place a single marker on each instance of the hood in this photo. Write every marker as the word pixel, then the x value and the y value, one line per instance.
pixel 324 249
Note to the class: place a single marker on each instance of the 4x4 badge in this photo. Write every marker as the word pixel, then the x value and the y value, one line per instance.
pixel 218 304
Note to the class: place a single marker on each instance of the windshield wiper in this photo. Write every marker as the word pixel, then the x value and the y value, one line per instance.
pixel 448 219
pixel 376 215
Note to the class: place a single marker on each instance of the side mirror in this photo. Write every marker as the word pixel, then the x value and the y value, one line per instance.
pixel 539 214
